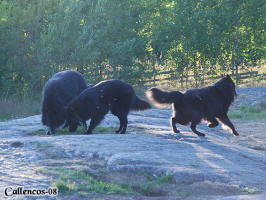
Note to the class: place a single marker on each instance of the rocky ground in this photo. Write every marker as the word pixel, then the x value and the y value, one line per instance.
pixel 218 166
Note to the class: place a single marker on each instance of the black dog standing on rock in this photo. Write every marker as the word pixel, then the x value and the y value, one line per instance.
pixel 57 93
pixel 208 103
pixel 112 95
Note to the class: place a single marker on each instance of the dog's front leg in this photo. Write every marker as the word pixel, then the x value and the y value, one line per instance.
pixel 94 122
pixel 225 120
pixel 193 128
pixel 121 125
pixel 173 123
pixel 50 131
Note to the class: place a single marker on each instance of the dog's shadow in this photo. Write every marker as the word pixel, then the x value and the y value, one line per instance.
pixel 185 136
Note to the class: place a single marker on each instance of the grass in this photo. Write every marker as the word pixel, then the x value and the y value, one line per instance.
pixel 147 187
pixel 249 113
pixel 79 131
pixel 250 190
pixel 43 145
pixel 76 181
pixel 72 181
pixel 18 108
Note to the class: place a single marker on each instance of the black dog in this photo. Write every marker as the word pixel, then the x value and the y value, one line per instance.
pixel 56 95
pixel 111 95
pixel 208 103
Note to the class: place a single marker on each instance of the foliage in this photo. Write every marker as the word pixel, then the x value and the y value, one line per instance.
pixel 126 39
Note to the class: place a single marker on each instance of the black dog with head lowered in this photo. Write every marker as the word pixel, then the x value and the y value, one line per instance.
pixel 57 93
pixel 112 95
pixel 208 103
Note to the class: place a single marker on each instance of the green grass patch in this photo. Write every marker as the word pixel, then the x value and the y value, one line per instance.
pixel 70 181
pixel 148 187
pixel 43 145
pixel 79 131
pixel 48 171
pixel 250 190
pixel 249 113
pixel 101 129
pixel 76 181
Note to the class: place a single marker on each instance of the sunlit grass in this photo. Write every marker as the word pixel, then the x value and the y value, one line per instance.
pixel 147 187
pixel 249 113
pixel 250 190
pixel 76 181
pixel 71 181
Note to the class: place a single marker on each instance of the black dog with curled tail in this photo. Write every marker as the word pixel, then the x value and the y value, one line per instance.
pixel 111 95
pixel 58 91
pixel 208 103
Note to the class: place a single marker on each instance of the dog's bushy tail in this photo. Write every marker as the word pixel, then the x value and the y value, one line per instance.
pixel 140 105
pixel 163 98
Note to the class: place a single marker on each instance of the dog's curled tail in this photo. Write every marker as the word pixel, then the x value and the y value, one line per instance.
pixel 163 98
pixel 140 104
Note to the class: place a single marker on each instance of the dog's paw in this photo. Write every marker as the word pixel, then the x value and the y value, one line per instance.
pixel 236 133
pixel 175 130
pixel 200 134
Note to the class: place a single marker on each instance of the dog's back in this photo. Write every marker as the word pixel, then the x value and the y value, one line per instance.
pixel 215 98
pixel 57 93
pixel 118 92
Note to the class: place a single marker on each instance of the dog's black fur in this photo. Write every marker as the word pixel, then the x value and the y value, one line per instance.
pixel 56 95
pixel 111 95
pixel 208 103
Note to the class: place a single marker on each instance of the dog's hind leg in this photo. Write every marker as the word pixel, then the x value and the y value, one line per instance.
pixel 50 131
pixel 124 122
pixel 193 128
pixel 121 113
pixel 117 113
pixel 94 122
pixel 213 123
pixel 225 120
pixel 173 123
pixel 121 125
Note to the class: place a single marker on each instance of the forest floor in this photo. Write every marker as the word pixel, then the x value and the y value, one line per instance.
pixel 150 162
